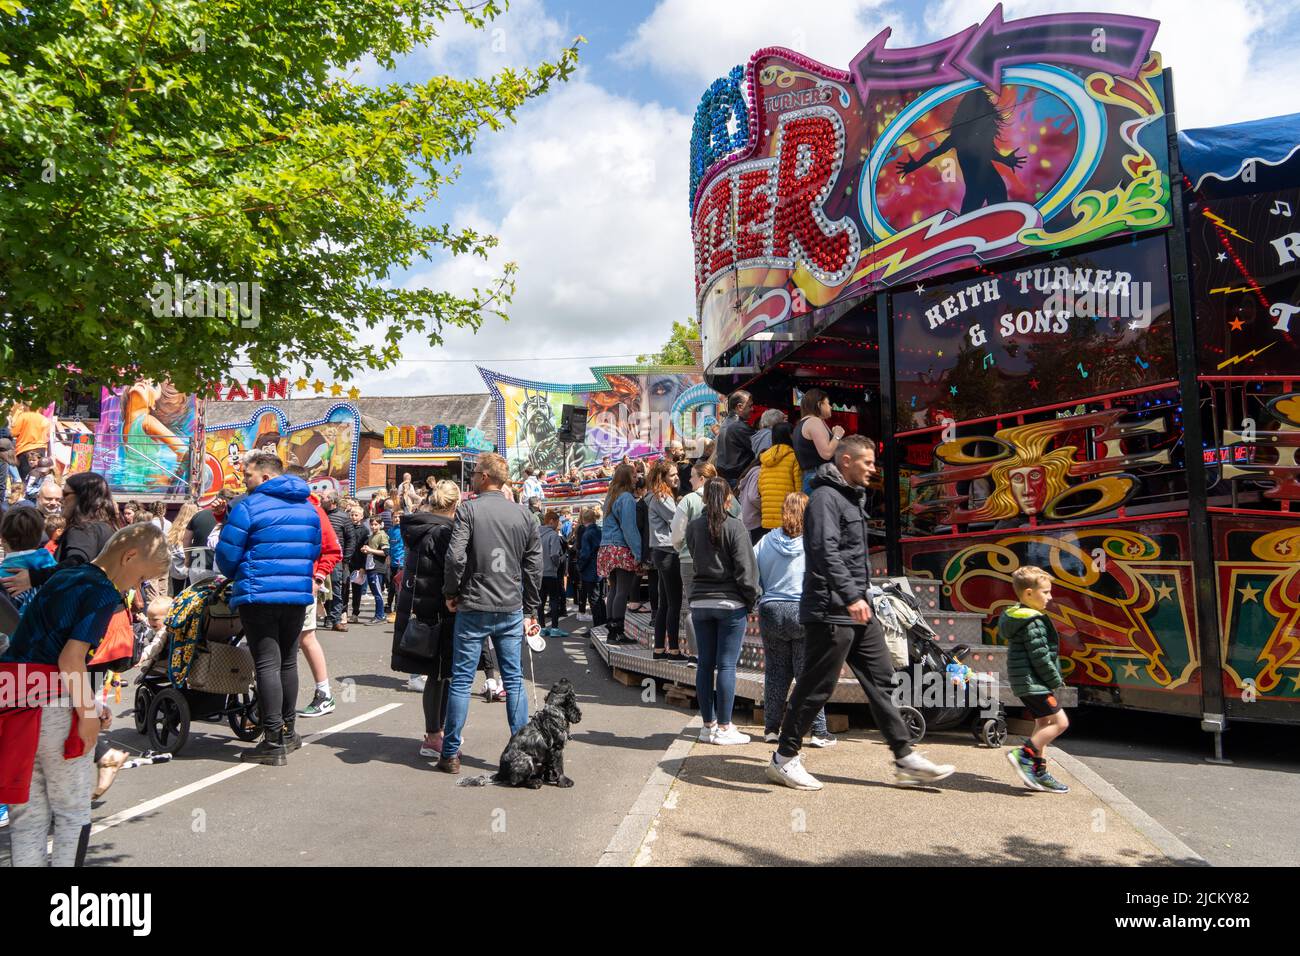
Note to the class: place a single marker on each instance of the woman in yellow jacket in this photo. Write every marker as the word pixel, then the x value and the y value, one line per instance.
pixel 778 475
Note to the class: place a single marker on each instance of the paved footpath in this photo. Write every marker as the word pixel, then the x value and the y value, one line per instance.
pixel 980 815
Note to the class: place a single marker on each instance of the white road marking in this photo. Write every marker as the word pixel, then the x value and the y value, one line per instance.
pixel 177 794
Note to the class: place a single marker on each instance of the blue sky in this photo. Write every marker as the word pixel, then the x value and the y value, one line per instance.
pixel 587 192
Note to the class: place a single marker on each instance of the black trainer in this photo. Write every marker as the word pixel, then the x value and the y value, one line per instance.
pixel 270 750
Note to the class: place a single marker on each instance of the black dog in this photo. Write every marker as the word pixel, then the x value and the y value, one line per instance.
pixel 535 755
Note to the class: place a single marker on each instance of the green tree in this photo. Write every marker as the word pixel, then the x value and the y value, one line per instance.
pixel 677 350
pixel 224 141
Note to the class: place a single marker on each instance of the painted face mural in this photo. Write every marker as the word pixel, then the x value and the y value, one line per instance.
pixel 326 448
pixel 1029 488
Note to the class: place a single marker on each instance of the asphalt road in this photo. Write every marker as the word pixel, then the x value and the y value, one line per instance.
pixel 363 796
pixel 1237 815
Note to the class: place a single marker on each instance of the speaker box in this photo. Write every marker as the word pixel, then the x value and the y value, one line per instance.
pixel 573 424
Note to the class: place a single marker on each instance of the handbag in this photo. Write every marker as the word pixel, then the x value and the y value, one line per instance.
pixel 219 668
pixel 419 639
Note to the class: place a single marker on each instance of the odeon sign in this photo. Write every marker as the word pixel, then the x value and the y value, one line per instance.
pixel 435 437
pixel 811 184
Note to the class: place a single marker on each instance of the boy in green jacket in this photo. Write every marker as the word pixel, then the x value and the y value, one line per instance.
pixel 1033 652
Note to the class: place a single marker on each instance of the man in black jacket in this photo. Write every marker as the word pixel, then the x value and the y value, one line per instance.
pixel 492 581
pixel 336 611
pixel 736 439
pixel 839 626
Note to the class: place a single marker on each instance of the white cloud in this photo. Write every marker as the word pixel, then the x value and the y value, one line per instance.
pixel 520 37
pixel 593 188
pixel 1227 61
pixel 700 41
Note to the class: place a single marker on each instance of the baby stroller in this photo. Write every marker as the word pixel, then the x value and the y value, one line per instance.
pixel 204 672
pixel 944 691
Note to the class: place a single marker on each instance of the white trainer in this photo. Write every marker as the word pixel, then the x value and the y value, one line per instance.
pixel 416 683
pixel 707 733
pixel 771 738
pixel 729 736
pixel 792 774
pixel 916 771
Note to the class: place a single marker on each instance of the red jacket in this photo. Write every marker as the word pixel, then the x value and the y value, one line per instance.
pixel 330 552
pixel 20 731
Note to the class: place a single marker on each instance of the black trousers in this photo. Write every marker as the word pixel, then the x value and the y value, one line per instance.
pixel 438 680
pixel 622 584
pixel 552 594
pixel 272 633
pixel 828 648
pixel 669 610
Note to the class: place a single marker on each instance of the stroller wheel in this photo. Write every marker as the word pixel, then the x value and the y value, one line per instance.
pixel 140 712
pixel 244 720
pixel 914 723
pixel 168 721
pixel 992 732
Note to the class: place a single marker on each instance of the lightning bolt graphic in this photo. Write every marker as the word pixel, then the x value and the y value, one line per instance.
pixel 1232 288
pixel 1235 359
pixel 1224 226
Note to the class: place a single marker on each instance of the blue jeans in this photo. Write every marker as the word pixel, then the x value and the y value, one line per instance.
pixel 376 581
pixel 473 628
pixel 719 634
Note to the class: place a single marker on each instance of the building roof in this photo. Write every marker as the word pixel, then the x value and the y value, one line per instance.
pixel 473 410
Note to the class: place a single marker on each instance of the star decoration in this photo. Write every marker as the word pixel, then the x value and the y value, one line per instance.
pixel 1236 325
pixel 1131 670
pixel 336 389
pixel 1164 593
pixel 940 353
pixel 920 288
pixel 301 384
pixel 1055 253
pixel 953 389
pixel 1034 383
pixel 354 393
pixel 1222 257
pixel 1248 593
pixel 1295 682
pixel 1133 326
pixel 318 386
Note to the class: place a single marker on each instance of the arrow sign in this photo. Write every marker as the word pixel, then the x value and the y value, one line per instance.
pixel 1095 41
pixel 913 67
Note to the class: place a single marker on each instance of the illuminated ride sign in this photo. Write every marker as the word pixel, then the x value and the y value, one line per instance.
pixel 435 438
pixel 811 184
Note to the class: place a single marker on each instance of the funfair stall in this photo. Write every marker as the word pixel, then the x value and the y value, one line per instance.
pixel 979 246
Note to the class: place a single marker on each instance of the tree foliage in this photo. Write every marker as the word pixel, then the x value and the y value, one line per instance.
pixel 225 141
pixel 677 350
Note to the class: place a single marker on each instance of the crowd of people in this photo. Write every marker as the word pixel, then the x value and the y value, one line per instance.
pixel 772 519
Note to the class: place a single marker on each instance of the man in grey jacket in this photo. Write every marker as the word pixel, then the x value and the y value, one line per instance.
pixel 494 547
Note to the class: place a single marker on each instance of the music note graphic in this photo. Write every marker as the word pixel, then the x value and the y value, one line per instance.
pixel 1082 371
pixel 988 360
pixel 1138 359
pixel 1281 208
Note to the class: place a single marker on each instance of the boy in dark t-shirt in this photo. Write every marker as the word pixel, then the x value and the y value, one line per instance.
pixel 46 765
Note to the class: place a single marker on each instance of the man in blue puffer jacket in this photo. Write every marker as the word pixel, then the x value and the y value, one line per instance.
pixel 268 547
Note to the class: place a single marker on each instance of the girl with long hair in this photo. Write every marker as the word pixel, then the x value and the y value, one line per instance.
pixel 619 558
pixel 723 593
pixel 178 539
pixel 661 503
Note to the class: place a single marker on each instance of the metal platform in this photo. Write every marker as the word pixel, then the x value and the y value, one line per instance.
pixel 988 660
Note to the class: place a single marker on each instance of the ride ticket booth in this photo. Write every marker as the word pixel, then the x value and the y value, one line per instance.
pixel 979 249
